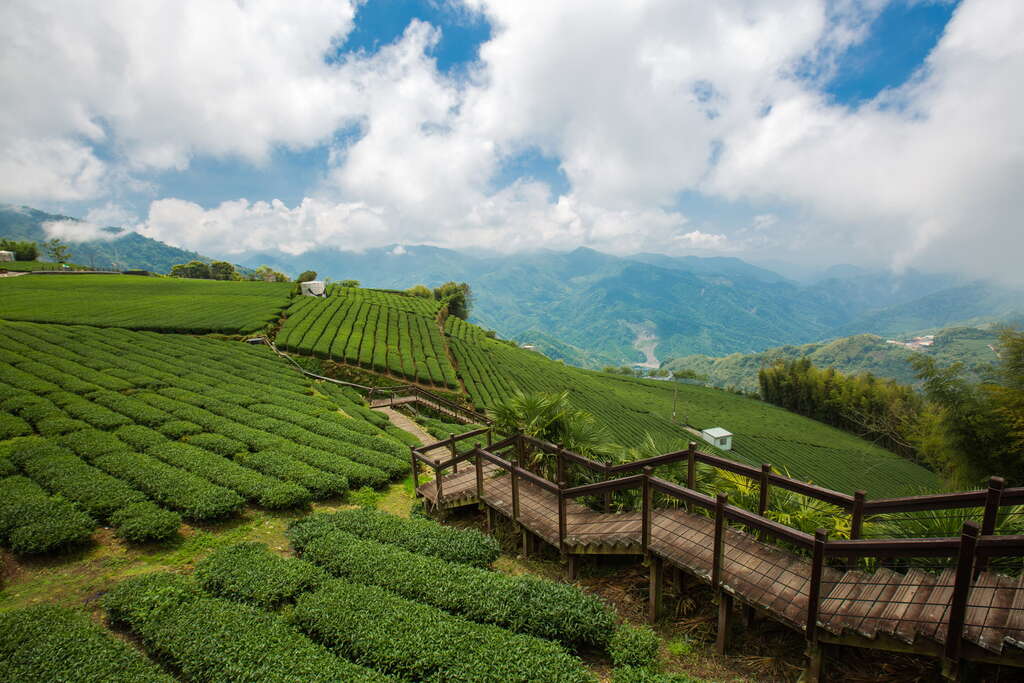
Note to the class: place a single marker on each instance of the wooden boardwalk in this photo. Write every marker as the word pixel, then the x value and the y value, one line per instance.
pixel 903 611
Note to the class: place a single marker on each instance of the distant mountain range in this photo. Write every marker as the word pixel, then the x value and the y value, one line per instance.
pixel 589 308
pixel 123 249
pixel 851 355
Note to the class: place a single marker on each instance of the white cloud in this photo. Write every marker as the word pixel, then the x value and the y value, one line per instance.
pixel 638 102
pixel 77 231
pixel 399 250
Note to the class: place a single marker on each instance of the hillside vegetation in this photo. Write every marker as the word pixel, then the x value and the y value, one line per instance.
pixel 145 303
pixel 850 355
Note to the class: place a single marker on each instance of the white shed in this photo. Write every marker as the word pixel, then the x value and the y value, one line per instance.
pixel 313 288
pixel 6 255
pixel 718 437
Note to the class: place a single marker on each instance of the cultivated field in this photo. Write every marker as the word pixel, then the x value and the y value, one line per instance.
pixel 144 303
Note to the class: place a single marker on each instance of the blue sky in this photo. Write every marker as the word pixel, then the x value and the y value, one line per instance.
pixel 869 131
pixel 898 41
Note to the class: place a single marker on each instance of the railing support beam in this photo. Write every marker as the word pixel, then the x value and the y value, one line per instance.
pixel 657 585
pixel 961 589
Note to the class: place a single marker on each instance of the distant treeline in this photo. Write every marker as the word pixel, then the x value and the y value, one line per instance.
pixel 963 430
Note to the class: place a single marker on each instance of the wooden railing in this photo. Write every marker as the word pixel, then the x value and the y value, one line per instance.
pixel 427 397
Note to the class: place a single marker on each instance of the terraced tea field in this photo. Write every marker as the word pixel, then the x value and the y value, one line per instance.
pixel 138 430
pixel 144 303
pixel 379 331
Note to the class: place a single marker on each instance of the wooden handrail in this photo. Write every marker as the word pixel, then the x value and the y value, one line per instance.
pixel 893 547
pixel 537 480
pixel 931 501
pixel 841 500
pixel 769 526
pixel 611 485
pixel 682 493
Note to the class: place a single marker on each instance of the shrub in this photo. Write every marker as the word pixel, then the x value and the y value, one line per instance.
pixel 140 438
pixel 633 674
pixel 249 572
pixel 521 603
pixel 50 643
pixel 357 473
pixel 7 467
pixel 269 492
pixel 175 429
pixel 193 496
pixel 59 424
pixel 57 470
pixel 145 522
pixel 209 639
pixel 374 627
pixel 390 465
pixel 634 646
pixel 365 498
pixel 92 443
pixel 218 443
pixel 420 536
pixel 12 425
pixel 33 522
pixel 320 483
pixel 402 436
pixel 139 411
pixel 96 415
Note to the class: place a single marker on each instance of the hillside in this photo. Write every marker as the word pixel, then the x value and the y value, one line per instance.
pixel 850 355
pixel 120 249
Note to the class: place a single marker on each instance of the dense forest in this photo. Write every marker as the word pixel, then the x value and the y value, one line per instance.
pixel 962 429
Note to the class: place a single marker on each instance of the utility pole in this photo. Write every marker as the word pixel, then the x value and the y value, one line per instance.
pixel 675 394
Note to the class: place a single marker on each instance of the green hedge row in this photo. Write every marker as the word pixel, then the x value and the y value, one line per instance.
pixel 145 522
pixel 418 642
pixel 276 464
pixel 12 426
pixel 96 415
pixel 250 572
pixel 357 473
pixel 270 492
pixel 421 536
pixel 50 643
pixel 139 411
pixel 389 464
pixel 214 640
pixel 59 471
pixel 33 522
pixel 525 604
pixel 191 495
pixel 92 443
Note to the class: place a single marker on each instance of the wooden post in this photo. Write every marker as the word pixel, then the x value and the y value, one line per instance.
pixel 814 587
pixel 961 588
pixel 857 515
pixel 563 519
pixel 526 541
pixel 479 462
pixel 415 473
pixel 724 622
pixel 988 521
pixel 454 452
pixel 490 437
pixel 560 465
pixel 691 466
pixel 648 510
pixel 490 520
pixel 439 484
pixel 762 503
pixel 656 586
pixel 572 567
pixel 607 500
pixel 515 492
pixel 721 500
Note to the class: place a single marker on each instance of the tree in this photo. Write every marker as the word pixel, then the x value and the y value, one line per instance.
pixel 421 291
pixel 306 276
pixel 222 270
pixel 349 283
pixel 268 274
pixel 195 270
pixel 458 297
pixel 57 250
pixel 23 251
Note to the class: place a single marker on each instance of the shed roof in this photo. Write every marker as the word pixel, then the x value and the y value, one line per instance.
pixel 717 432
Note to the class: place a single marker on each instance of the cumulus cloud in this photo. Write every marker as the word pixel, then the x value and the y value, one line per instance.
pixel 637 101
pixel 77 231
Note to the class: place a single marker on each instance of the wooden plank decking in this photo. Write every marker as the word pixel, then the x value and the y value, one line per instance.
pixel 911 607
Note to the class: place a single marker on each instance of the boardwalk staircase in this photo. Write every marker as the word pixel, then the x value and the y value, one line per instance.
pixel 959 599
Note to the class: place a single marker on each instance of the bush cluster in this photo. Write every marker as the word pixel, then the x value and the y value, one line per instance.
pixel 32 522
pixel 59 471
pixel 12 426
pixel 634 646
pixel 92 443
pixel 195 497
pixel 276 464
pixel 50 643
pixel 145 522
pixel 270 492
pixel 250 572
pixel 210 639
pixel 377 628
pixel 525 604
pixel 420 536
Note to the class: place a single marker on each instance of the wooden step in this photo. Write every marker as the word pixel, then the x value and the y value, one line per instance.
pixel 935 616
pixel 1014 635
pixel 884 584
pixel 988 608
pixel 840 608
pixel 907 603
